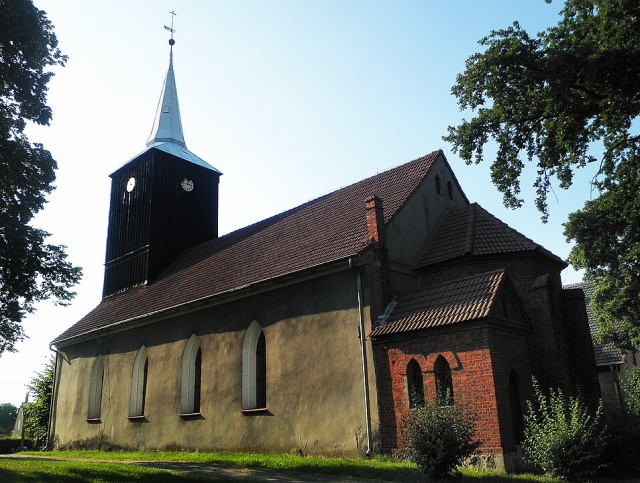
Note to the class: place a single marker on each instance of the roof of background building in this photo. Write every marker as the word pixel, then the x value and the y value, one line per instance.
pixel 473 231
pixel 461 300
pixel 606 354
pixel 320 231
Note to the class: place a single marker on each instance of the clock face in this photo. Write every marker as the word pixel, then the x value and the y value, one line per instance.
pixel 187 184
pixel 131 184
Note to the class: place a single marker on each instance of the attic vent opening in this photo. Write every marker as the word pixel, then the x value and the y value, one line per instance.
pixel 165 109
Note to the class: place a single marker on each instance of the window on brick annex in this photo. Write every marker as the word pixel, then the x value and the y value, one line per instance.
pixel 450 190
pixel 516 407
pixel 438 187
pixel 415 384
pixel 444 383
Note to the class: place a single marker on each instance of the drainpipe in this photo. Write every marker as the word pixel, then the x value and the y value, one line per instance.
pixel 53 395
pixel 363 353
pixel 616 383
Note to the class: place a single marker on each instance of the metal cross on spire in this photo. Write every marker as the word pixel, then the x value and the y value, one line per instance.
pixel 171 29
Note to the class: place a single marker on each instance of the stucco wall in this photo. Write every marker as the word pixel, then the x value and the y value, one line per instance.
pixel 409 231
pixel 314 377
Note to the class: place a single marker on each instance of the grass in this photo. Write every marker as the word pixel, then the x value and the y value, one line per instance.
pixel 19 470
pixel 76 466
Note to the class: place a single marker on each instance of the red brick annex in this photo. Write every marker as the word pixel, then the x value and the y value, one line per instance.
pixel 492 311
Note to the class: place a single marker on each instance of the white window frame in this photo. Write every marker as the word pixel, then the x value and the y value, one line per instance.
pixel 187 387
pixel 136 401
pixel 249 346
pixel 95 389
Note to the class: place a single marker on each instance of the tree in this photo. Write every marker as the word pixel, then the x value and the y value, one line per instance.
pixel 36 422
pixel 568 97
pixel 30 269
pixel 8 414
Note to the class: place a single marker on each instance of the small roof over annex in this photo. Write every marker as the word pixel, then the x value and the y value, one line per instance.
pixel 461 300
pixel 473 231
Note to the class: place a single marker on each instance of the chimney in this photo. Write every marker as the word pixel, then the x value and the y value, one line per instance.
pixel 378 240
pixel 375 219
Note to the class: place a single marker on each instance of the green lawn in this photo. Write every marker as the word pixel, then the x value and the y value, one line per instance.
pixel 92 466
pixel 19 470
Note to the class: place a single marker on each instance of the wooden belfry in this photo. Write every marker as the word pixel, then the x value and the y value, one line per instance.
pixel 162 201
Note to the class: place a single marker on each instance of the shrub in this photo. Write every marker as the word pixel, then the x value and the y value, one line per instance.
pixel 439 437
pixel 631 386
pixel 562 436
pixel 11 445
pixel 623 443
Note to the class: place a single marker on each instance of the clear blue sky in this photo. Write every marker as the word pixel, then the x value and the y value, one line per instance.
pixel 289 99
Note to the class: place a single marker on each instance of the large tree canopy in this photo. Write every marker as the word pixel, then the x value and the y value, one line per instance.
pixel 562 99
pixel 30 269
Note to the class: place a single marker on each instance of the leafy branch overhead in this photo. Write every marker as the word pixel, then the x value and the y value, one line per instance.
pixel 548 98
pixel 562 99
pixel 30 269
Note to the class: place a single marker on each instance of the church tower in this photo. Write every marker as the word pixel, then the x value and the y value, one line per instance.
pixel 162 201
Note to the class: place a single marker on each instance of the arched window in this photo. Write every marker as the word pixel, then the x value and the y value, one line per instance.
pixel 191 376
pixel 139 383
pixel 415 384
pixel 95 389
pixel 444 384
pixel 254 368
pixel 438 187
pixel 516 407
pixel 450 190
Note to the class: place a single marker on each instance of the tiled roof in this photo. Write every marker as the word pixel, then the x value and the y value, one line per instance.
pixel 606 354
pixel 474 231
pixel 460 300
pixel 326 229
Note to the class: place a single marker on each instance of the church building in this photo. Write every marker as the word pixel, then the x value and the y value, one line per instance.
pixel 314 330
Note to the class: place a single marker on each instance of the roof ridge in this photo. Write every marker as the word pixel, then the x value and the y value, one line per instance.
pixel 343 188
pixel 471 222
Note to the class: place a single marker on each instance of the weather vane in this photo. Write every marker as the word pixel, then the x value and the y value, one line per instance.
pixel 171 29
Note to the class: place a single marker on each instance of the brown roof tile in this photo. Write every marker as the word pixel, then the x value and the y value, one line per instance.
pixel 320 231
pixel 474 231
pixel 460 300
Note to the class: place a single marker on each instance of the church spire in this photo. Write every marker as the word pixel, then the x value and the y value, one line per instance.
pixel 167 126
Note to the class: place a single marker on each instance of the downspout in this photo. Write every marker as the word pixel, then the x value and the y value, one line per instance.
pixel 616 383
pixel 363 353
pixel 53 396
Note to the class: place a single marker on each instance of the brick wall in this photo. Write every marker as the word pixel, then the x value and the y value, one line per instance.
pixel 480 358
pixel 557 344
